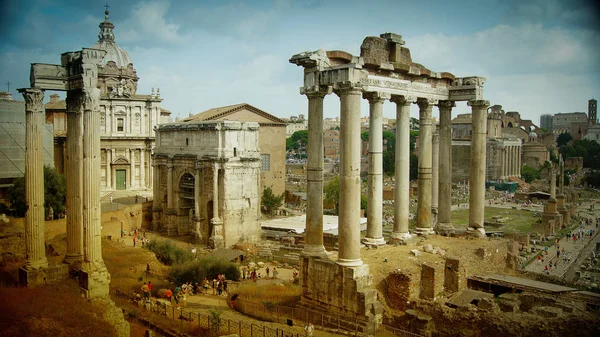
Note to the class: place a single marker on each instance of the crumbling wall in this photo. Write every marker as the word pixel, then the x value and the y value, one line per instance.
pixel 402 288
pixel 455 275
pixel 432 281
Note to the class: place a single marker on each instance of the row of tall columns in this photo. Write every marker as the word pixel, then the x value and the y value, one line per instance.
pixel 444 224
pixel 34 180
pixel 511 163
pixel 477 167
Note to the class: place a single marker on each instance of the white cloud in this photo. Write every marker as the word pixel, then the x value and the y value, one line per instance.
pixel 148 21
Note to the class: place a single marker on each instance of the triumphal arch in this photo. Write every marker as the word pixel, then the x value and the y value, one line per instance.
pixel 383 71
pixel 207 178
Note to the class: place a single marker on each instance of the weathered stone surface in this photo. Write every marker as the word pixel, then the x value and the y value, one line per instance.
pixel 416 252
pixel 428 248
pixel 546 312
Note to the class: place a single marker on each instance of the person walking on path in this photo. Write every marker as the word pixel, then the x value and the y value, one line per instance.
pixel 275 273
pixel 268 270
pixel 145 291
pixel 309 328
pixel 149 289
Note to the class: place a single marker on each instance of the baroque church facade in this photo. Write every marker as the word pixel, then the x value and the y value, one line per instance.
pixel 127 120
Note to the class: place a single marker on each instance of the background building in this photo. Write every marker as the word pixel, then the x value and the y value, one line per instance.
pixel 12 141
pixel 127 121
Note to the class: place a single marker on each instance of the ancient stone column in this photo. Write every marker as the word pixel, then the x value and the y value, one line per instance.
pixel 35 247
pixel 435 172
pixel 402 163
pixel 444 225
pixel 216 238
pixel 503 163
pixel 553 185
pixel 131 168
pixel 519 164
pixel 350 145
pixel 198 183
pixel 561 177
pixel 477 167
pixel 424 220
pixel 108 169
pixel 91 177
pixel 74 166
pixel 142 168
pixel 156 196
pixel 313 237
pixel 375 190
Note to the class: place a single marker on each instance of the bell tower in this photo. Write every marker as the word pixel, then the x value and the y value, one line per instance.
pixel 592 111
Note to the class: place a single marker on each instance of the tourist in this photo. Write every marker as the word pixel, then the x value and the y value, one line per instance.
pixel 145 291
pixel 149 289
pixel 243 273
pixel 233 298
pixel 275 273
pixel 205 285
pixel 309 328
pixel 219 288
pixel 134 238
pixel 169 295
pixel 268 270
pixel 214 286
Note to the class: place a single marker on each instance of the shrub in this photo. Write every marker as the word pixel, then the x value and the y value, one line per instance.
pixel 196 271
pixel 168 253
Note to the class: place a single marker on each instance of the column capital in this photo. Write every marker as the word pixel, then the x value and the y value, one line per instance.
pixel 403 100
pixel 91 98
pixel 316 91
pixel 33 99
pixel 480 103
pixel 425 103
pixel 446 104
pixel 347 88
pixel 376 96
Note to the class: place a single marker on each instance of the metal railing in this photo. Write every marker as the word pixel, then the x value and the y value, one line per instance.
pixel 219 326
pixel 347 325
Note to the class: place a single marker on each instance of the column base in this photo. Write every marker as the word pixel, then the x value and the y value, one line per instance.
pixel 424 231
pixel 374 241
pixel 476 232
pixel 315 251
pixel 74 258
pixel 38 264
pixel 445 229
pixel 350 262
pixel 41 276
pixel 94 280
pixel 400 237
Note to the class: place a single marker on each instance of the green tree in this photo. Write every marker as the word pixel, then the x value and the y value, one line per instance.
pixel 270 201
pixel 332 193
pixel 529 174
pixel 55 193
pixel 297 140
pixel 564 138
pixel 414 166
pixel 389 154
pixel 364 203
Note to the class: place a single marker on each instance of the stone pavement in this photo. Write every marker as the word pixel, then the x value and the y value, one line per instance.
pixel 572 248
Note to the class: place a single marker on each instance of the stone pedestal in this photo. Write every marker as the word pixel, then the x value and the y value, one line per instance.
pixel 42 276
pixel 477 168
pixel 94 280
pixel 561 207
pixel 216 239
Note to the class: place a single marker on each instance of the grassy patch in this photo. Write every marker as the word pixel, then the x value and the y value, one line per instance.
pixel 169 253
pixel 518 220
pixel 196 271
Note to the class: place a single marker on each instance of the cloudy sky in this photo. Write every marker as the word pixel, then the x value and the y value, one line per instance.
pixel 539 56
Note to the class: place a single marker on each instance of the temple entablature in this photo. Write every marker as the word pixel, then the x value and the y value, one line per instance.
pixel 386 66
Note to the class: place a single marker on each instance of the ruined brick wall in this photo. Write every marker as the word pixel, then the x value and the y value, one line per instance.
pixel 402 287
pixel 455 275
pixel 432 281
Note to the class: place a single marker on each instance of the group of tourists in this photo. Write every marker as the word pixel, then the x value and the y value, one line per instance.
pixel 137 236
pixel 255 275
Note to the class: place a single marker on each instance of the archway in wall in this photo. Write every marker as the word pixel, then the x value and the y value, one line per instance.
pixel 186 200
pixel 210 213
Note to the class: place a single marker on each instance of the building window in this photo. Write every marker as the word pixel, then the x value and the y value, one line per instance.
pixel 265 160
pixel 120 123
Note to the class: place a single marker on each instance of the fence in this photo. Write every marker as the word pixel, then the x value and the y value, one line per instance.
pixel 218 325
pixel 348 325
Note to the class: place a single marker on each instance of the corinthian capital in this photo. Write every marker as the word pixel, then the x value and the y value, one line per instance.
pixel 75 100
pixel 403 100
pixel 446 104
pixel 376 96
pixel 316 91
pixel 425 103
pixel 347 88
pixel 33 99
pixel 481 104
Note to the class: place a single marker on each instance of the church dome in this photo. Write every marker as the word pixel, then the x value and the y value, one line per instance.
pixel 106 42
